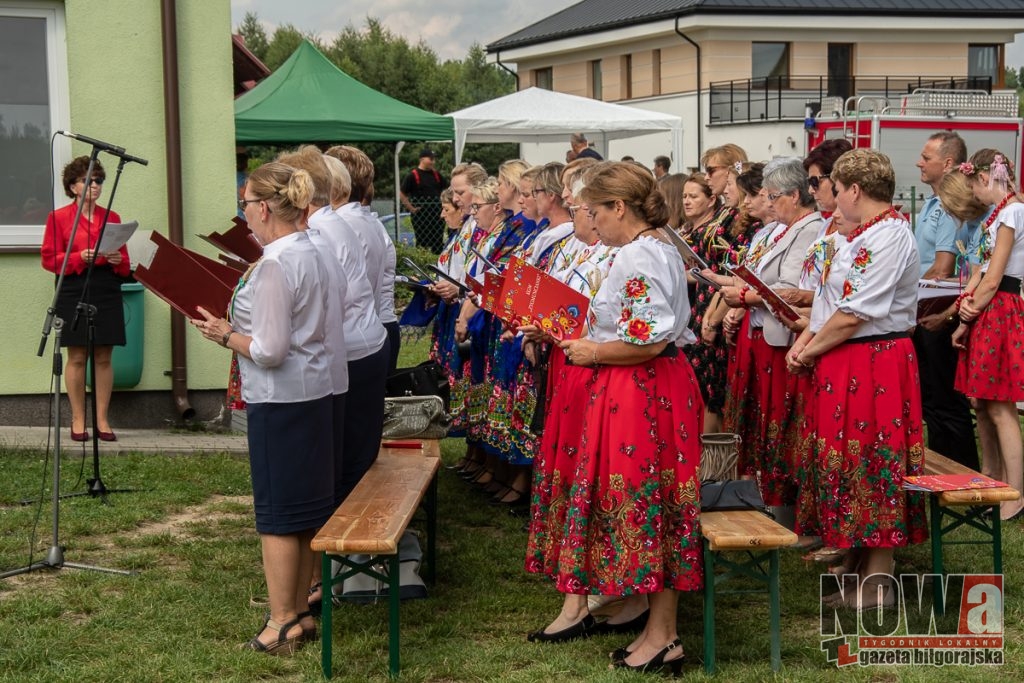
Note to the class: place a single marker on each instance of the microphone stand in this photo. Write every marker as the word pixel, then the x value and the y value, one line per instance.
pixel 96 487
pixel 55 554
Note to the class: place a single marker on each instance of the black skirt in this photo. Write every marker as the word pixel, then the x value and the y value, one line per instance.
pixel 105 295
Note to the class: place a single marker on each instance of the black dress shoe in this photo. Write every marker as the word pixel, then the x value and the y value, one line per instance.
pixel 581 629
pixel 634 625
pixel 657 663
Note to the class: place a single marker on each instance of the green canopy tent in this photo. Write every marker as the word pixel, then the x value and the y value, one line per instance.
pixel 309 99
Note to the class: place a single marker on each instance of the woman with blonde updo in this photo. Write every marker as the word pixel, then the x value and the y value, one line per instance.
pixel 631 522
pixel 278 326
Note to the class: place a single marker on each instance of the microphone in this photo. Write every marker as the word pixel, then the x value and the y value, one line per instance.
pixel 130 158
pixel 113 149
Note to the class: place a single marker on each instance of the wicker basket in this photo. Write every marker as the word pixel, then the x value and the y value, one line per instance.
pixel 719 451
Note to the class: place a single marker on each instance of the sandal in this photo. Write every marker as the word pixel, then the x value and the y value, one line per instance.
pixel 308 634
pixel 315 606
pixel 826 555
pixel 283 645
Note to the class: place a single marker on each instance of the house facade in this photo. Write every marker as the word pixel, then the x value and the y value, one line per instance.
pixel 96 67
pixel 750 71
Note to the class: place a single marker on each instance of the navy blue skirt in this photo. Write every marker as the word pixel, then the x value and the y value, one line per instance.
pixel 291 457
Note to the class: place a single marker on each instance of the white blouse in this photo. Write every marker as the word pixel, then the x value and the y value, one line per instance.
pixel 761 246
pixel 455 254
pixel 375 241
pixel 1012 216
pixel 283 307
pixel 874 278
pixel 364 332
pixel 337 285
pixel 547 237
pixel 643 299
pixel 587 272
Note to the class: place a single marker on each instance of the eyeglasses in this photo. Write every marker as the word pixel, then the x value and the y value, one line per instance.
pixel 243 202
pixel 95 180
pixel 772 196
pixel 710 170
pixel 814 181
pixel 473 208
pixel 572 211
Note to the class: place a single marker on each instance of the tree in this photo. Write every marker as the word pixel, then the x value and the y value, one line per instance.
pixel 254 36
pixel 285 41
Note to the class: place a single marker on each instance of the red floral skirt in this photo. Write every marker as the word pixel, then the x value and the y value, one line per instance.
pixel 633 500
pixel 772 394
pixel 798 441
pixel 866 422
pixel 741 412
pixel 992 366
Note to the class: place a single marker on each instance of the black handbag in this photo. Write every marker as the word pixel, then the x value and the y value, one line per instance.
pixel 734 494
pixel 426 379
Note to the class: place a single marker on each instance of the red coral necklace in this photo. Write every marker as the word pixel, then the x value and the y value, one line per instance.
pixel 999 207
pixel 888 213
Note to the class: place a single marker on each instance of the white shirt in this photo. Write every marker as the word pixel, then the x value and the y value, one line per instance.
pixel 283 308
pixel 588 270
pixel 874 278
pixel 364 332
pixel 1012 216
pixel 453 258
pixel 761 246
pixel 548 237
pixel 643 299
pixel 337 285
pixel 375 242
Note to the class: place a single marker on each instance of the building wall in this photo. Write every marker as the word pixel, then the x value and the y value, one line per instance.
pixel 571 78
pixel 911 59
pixel 116 94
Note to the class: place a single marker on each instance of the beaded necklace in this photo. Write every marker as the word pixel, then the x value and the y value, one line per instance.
pixel 888 213
pixel 985 244
pixel 999 207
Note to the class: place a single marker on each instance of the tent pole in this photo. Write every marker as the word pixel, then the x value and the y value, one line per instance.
pixel 398 181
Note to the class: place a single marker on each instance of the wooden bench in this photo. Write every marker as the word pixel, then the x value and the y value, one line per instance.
pixel 950 510
pixel 761 538
pixel 371 521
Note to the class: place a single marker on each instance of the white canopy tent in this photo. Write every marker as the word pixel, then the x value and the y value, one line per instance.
pixel 539 115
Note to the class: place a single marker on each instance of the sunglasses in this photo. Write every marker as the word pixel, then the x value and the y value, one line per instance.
pixel 95 180
pixel 814 181
pixel 710 170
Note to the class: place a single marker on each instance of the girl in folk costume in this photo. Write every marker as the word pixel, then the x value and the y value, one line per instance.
pixel 991 336
pixel 777 259
pixel 631 520
pixel 865 412
pixel 722 243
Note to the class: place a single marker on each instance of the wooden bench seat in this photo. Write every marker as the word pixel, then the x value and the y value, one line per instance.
pixel 950 510
pixel 761 538
pixel 371 521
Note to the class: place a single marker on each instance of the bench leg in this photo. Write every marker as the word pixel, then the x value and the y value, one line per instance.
pixel 326 607
pixel 709 609
pixel 997 541
pixel 431 509
pixel 937 563
pixel 394 600
pixel 775 610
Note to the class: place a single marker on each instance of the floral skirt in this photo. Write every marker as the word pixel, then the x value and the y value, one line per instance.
pixel 773 394
pixel 511 404
pixel 992 366
pixel 741 411
pixel 865 432
pixel 632 499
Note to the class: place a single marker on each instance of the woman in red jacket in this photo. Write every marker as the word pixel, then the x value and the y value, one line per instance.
pixel 104 291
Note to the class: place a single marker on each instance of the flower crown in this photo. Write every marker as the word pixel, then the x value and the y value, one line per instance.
pixel 969 169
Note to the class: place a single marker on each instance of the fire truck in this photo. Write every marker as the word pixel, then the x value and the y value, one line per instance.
pixel 900 127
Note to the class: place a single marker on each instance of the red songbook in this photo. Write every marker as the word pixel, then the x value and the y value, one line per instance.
pixel 238 241
pixel 951 482
pixel 490 299
pixel 778 307
pixel 181 279
pixel 534 297
pixel 475 285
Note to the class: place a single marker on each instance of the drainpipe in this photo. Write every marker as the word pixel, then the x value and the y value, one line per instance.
pixel 700 105
pixel 175 227
pixel 515 74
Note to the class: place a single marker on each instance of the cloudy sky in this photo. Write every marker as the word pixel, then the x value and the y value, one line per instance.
pixel 447 26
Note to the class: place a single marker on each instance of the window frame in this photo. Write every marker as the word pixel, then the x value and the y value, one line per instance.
pixel 999 77
pixel 29 238
pixel 547 73
pixel 764 81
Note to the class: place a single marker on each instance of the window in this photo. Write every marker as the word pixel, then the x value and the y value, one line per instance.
pixel 542 78
pixel 626 91
pixel 985 61
pixel 769 65
pixel 33 103
pixel 596 87
pixel 840 70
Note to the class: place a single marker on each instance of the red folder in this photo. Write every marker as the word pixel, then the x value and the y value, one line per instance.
pixel 181 279
pixel 951 482
pixel 491 297
pixel 237 241
pixel 778 307
pixel 533 297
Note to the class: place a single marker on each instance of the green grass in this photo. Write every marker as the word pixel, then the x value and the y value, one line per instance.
pixel 189 533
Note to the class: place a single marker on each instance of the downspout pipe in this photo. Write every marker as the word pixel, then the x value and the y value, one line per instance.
pixel 700 105
pixel 175 223
pixel 515 74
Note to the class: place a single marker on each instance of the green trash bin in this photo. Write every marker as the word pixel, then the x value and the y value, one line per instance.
pixel 127 360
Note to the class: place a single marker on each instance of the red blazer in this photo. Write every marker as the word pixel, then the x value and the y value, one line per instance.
pixel 58 233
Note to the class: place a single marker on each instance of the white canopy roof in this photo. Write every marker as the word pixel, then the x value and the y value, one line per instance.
pixel 540 115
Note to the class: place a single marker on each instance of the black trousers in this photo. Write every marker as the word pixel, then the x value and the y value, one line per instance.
pixel 946 411
pixel 394 331
pixel 364 417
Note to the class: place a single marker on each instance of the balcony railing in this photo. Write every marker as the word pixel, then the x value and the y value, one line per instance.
pixel 785 98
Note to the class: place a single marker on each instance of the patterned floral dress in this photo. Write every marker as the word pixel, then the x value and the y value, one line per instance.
pixel 719 248
pixel 865 411
pixel 625 519
pixel 992 365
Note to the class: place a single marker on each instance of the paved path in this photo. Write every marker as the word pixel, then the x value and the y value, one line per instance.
pixel 130 441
